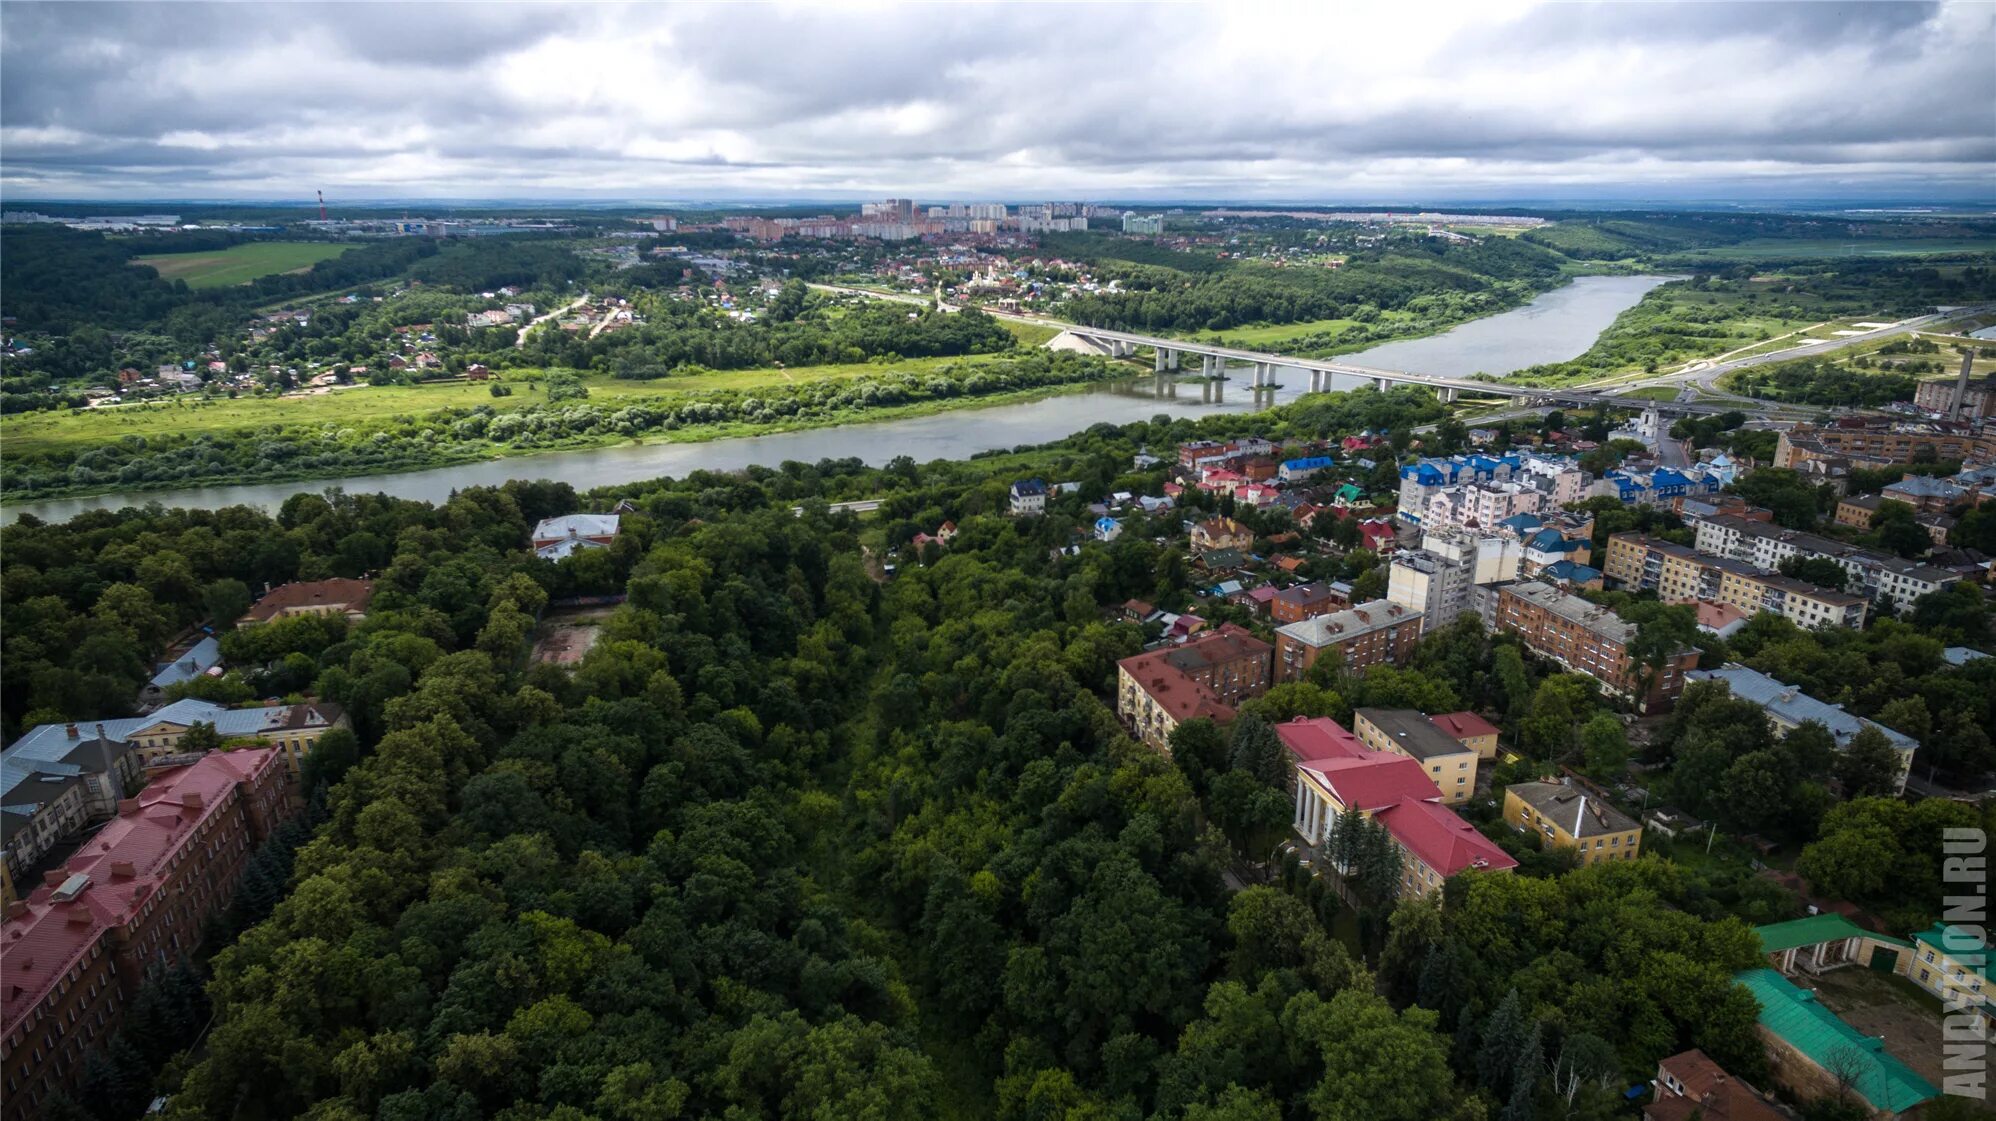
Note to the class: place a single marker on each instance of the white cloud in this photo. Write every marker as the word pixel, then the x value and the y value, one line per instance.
pixel 1277 101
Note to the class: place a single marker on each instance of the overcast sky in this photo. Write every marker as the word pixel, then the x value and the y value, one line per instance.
pixel 1323 101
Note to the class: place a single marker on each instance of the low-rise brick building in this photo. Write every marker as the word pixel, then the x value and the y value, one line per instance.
pixel 1566 817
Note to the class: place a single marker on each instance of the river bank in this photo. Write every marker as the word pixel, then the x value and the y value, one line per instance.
pixel 953 427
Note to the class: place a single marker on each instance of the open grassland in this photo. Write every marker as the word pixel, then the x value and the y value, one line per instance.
pixel 239 264
pixel 32 433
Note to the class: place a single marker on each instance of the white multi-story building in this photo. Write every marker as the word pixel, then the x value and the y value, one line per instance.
pixel 1437 580
pixel 1766 545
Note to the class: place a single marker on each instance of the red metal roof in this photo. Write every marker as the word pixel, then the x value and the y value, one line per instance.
pixel 1374 781
pixel 1319 738
pixel 44 937
pixel 1463 725
pixel 1440 839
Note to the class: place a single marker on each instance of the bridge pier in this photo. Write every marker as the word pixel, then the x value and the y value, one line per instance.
pixel 1176 355
pixel 1163 359
pixel 1445 394
pixel 1381 384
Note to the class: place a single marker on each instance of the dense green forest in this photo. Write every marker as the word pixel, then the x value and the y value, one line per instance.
pixel 794 842
pixel 1818 381
pixel 1454 280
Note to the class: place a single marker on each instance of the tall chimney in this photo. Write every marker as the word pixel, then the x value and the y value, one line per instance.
pixel 1960 398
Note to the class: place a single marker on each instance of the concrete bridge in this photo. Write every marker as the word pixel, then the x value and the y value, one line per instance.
pixel 1170 355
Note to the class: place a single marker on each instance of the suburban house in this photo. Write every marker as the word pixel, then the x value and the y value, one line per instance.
pixel 1449 763
pixel 1304 601
pixel 1107 528
pixel 1202 677
pixel 1565 817
pixel 1029 496
pixel 1216 534
pixel 1788 707
pixel 558 538
pixel 1690 1085
pixel 1336 772
pixel 1360 636
pixel 340 595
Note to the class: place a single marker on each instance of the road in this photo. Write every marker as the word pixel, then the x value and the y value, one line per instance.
pixel 540 319
pixel 1705 375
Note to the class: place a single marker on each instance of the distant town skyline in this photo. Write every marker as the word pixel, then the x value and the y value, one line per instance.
pixel 1360 105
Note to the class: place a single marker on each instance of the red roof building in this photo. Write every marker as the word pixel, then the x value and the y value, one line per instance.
pixel 135 894
pixel 1335 772
pixel 1438 844
pixel 1469 730
pixel 1201 679
pixel 1377 534
pixel 1690 1084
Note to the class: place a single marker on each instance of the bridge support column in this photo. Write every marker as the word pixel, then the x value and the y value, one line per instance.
pixel 1176 355
pixel 1163 359
pixel 1381 384
pixel 1446 394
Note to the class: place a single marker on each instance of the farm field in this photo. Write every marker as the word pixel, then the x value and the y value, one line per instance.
pixel 31 433
pixel 239 264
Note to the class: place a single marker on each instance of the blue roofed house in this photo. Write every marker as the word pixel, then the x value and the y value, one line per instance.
pixel 1296 470
pixel 294 728
pixel 1107 529
pixel 1547 547
pixel 1570 575
pixel 199 659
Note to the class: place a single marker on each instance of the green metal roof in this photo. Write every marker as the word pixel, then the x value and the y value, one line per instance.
pixel 1776 937
pixel 1794 1015
pixel 1956 943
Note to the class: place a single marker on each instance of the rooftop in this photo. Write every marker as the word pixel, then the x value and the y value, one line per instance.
pixel 1776 937
pixel 1463 725
pixel 1339 626
pixel 1583 613
pixel 1959 943
pixel 199 659
pixel 113 874
pixel 1374 780
pixel 1709 1092
pixel 50 743
pixel 1571 809
pixel 1411 732
pixel 1790 706
pixel 340 592
pixel 1441 840
pixel 1321 737
pixel 576 525
pixel 1793 1015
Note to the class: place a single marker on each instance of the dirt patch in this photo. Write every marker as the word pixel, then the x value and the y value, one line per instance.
pixel 1892 1008
pixel 565 643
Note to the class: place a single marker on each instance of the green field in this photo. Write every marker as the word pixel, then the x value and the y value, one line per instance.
pixel 31 433
pixel 1762 249
pixel 239 264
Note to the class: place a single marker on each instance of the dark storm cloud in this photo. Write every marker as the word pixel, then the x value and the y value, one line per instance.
pixel 1306 101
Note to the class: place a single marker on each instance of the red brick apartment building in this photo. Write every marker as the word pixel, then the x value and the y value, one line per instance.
pixel 1205 677
pixel 1587 638
pixel 76 950
pixel 1364 635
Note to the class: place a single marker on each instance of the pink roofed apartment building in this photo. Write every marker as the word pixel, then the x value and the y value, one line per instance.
pixel 75 951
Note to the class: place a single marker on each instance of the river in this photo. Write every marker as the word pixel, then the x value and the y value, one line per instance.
pixel 1554 327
